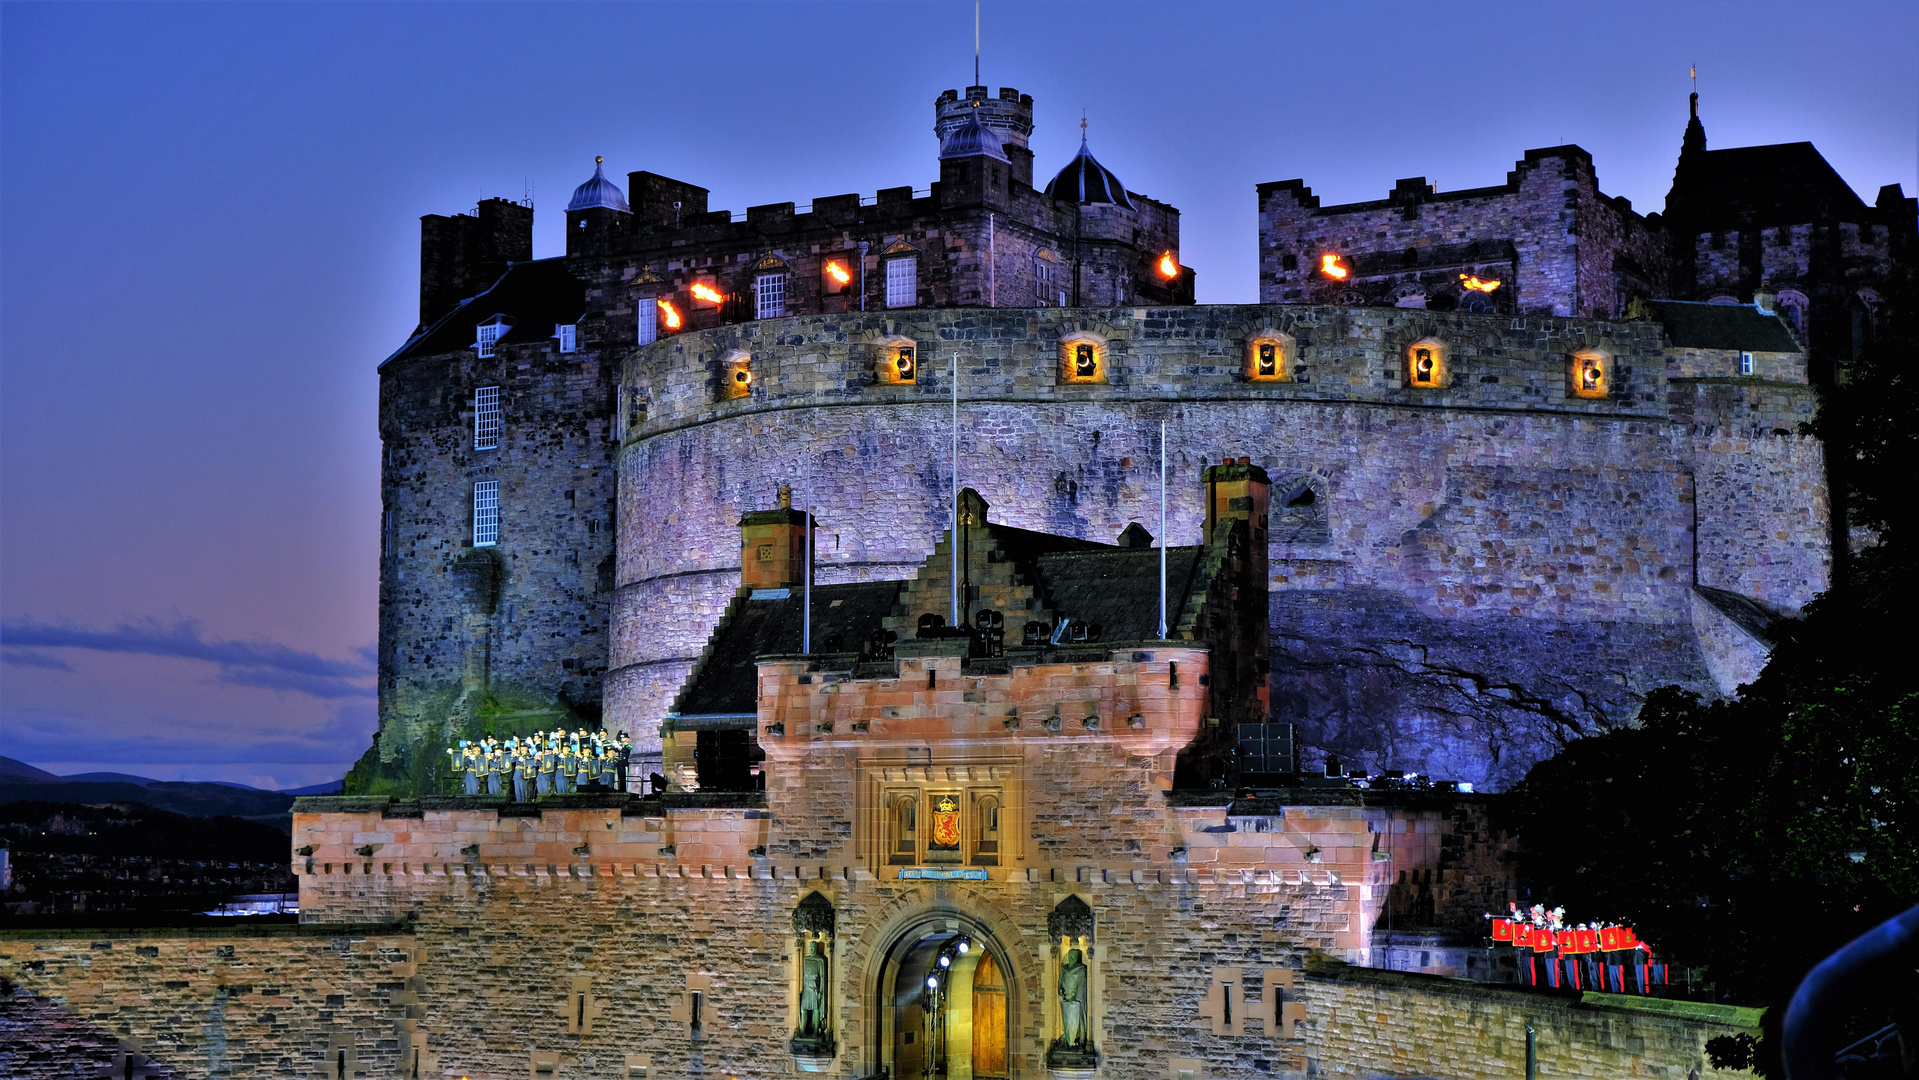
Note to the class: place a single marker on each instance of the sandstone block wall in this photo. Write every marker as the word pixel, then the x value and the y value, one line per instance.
pixel 271 1001
pixel 1460 544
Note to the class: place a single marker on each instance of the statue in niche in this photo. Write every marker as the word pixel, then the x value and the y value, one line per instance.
pixel 813 992
pixel 1072 1002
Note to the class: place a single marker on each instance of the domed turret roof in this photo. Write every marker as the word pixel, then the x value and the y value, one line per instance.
pixel 599 191
pixel 971 139
pixel 1085 180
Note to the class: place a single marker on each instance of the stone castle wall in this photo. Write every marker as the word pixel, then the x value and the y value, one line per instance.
pixel 246 1001
pixel 538 645
pixel 1459 545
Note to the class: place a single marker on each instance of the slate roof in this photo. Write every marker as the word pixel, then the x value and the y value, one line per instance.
pixel 726 680
pixel 1693 325
pixel 1118 588
pixel 536 295
pixel 971 139
pixel 1786 183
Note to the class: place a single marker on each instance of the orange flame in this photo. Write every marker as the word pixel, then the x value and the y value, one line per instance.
pixel 703 291
pixel 1332 267
pixel 1168 266
pixel 1474 283
pixel 670 315
pixel 838 273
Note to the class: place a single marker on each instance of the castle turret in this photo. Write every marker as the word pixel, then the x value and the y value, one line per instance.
pixel 1009 117
pixel 597 213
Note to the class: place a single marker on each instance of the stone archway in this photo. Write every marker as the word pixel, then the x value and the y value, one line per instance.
pixel 947 1003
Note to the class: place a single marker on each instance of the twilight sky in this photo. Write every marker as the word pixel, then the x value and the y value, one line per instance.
pixel 209 238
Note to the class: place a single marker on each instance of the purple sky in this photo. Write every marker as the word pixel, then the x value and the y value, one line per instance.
pixel 209 238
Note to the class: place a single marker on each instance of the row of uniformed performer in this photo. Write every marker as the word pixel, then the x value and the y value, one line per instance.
pixel 544 763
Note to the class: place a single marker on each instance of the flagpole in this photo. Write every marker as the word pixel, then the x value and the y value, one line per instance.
pixel 1162 530
pixel 953 538
pixel 806 581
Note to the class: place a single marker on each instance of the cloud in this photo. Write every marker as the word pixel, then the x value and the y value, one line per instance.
pixel 32 658
pixel 265 664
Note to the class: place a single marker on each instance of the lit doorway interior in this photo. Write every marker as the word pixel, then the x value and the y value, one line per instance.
pixel 947 1019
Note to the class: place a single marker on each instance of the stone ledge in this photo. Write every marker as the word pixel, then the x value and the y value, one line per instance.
pixel 281 927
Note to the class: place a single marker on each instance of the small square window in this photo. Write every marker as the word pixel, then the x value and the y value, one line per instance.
pixel 769 291
pixel 568 335
pixel 1745 363
pixel 486 418
pixel 902 282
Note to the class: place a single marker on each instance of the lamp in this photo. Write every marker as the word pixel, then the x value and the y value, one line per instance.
pixel 1085 361
pixel 1268 359
pixel 903 363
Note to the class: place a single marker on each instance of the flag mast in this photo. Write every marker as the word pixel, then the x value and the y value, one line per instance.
pixel 1162 530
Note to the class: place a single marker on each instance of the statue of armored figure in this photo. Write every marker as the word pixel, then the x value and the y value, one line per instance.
pixel 813 991
pixel 1073 1049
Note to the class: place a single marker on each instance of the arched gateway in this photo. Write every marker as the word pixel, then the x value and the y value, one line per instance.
pixel 944 1003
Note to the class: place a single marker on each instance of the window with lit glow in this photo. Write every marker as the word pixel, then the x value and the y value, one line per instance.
pixel 1591 375
pixel 1082 360
pixel 646 315
pixel 486 513
pixel 902 282
pixel 486 418
pixel 769 296
pixel 1426 364
pixel 569 336
pixel 1268 359
pixel 736 377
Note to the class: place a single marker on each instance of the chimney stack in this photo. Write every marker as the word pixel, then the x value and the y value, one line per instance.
pixel 773 546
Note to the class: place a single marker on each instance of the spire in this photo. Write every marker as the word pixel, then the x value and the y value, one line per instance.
pixel 1692 152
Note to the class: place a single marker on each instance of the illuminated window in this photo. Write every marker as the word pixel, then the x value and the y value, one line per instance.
pixel 902 282
pixel 1267 359
pixel 769 294
pixel 1082 360
pixel 569 336
pixel 647 314
pixel 486 513
pixel 1426 364
pixel 905 368
pixel 736 377
pixel 1591 376
pixel 486 418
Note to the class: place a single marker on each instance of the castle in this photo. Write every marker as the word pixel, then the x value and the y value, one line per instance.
pixel 568 442
pixel 995 614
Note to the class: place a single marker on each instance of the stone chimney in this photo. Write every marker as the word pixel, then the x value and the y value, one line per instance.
pixel 773 546
pixel 1237 488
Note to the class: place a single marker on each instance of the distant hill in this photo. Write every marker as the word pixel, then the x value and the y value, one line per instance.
pixel 20 781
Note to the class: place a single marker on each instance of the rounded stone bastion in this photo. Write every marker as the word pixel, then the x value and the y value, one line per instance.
pixel 1482 528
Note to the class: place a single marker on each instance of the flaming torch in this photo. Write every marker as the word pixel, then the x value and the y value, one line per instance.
pixel 1332 267
pixel 669 315
pixel 1168 266
pixel 837 272
pixel 1476 284
pixel 703 291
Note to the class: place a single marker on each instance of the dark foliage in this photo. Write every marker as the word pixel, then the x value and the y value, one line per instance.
pixel 1751 838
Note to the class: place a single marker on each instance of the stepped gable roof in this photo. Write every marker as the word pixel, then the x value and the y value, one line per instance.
pixel 598 192
pixel 1118 588
pixel 1782 184
pixel 536 295
pixel 1084 180
pixel 972 139
pixel 726 680
pixel 1693 325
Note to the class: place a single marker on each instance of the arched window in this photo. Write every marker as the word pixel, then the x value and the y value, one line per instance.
pixel 986 848
pixel 903 827
pixel 1269 358
pixel 1591 374
pixel 1082 359
pixel 1426 364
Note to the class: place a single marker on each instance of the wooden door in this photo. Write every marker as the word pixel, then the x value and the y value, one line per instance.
pixel 989 1020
